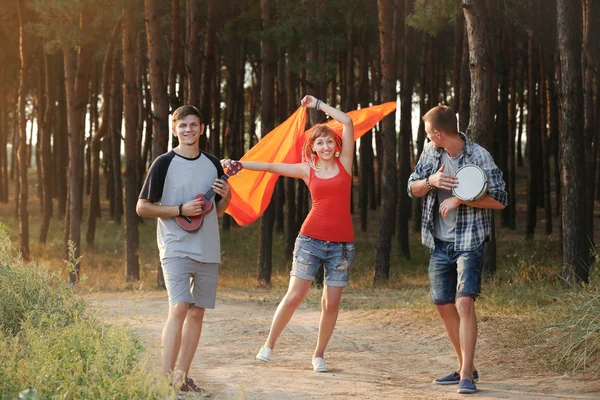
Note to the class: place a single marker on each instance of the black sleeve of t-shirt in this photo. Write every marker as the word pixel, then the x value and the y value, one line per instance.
pixel 220 171
pixel 155 180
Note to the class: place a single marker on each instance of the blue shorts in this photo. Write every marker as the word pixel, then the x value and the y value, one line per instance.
pixel 454 274
pixel 336 258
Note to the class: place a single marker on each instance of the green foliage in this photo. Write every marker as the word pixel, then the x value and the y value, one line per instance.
pixel 50 343
pixel 433 16
pixel 58 22
pixel 28 292
pixel 575 342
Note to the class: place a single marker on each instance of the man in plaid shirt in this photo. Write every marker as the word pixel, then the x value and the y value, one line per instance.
pixel 455 230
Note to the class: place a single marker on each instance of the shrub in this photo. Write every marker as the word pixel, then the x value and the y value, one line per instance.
pixel 50 342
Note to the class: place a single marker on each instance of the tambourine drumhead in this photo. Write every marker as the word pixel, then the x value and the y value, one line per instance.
pixel 472 183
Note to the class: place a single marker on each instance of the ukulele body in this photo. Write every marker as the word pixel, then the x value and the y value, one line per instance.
pixel 192 224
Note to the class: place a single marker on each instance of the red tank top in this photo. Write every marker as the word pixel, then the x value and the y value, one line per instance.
pixel 329 218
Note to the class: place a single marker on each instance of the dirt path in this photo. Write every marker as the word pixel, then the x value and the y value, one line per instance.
pixel 382 354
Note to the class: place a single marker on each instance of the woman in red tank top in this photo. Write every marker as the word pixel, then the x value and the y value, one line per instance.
pixel 326 237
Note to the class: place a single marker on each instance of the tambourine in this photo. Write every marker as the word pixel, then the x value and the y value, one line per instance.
pixel 472 183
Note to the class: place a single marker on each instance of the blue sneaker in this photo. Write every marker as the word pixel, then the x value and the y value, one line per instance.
pixel 453 379
pixel 466 386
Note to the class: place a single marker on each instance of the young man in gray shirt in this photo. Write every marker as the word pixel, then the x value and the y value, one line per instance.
pixel 190 260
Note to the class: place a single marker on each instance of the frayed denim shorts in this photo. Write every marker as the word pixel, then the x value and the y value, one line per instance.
pixel 454 274
pixel 335 257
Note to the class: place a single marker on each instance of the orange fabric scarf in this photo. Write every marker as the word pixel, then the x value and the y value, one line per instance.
pixel 251 191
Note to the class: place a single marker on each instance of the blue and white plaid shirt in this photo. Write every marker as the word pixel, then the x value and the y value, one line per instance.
pixel 473 225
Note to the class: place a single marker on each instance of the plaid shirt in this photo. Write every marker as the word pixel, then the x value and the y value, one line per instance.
pixel 473 225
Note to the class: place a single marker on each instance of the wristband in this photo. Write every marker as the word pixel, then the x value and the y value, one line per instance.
pixel 429 184
pixel 180 210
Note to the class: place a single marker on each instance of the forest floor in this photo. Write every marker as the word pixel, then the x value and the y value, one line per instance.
pixel 373 354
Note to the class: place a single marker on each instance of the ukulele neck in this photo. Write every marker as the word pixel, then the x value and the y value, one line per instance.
pixel 210 193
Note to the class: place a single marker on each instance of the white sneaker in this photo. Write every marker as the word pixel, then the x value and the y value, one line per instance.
pixel 264 354
pixel 319 364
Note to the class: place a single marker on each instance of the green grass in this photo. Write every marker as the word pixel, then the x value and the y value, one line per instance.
pixel 52 343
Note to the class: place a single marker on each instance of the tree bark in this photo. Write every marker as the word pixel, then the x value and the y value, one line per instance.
pixel 267 55
pixel 61 142
pixel 130 97
pixel 77 68
pixel 404 202
pixel 25 55
pixel 389 183
pixel 576 244
pixel 116 139
pixel 46 147
pixel 160 102
pixel 192 53
pixel 208 68
pixel 176 72
pixel 481 120
pixel 107 99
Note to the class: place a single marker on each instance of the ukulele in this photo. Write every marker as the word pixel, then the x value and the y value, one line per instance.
pixel 192 224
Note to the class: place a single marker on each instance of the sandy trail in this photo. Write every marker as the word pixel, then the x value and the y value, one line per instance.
pixel 375 354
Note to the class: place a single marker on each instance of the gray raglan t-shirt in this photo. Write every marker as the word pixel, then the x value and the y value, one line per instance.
pixel 174 179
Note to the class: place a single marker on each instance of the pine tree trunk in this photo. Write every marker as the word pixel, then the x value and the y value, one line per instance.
pixel 481 120
pixel 208 72
pixel 3 152
pixel 591 54
pixel 176 60
pixel 389 183
pixel 281 116
pixel 192 53
pixel 268 58
pixel 76 72
pixel 130 97
pixel 160 102
pixel 292 226
pixel 404 202
pixel 533 135
pixel 61 142
pixel 116 139
pixel 25 60
pixel 545 143
pixel 46 147
pixel 107 80
pixel 510 211
pixel 576 244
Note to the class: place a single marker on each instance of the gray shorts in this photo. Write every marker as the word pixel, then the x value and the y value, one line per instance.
pixel 190 281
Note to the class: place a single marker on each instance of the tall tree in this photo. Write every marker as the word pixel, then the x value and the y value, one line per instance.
pixel 77 65
pixel 160 102
pixel 267 120
pixel 107 79
pixel 208 75
pixel 576 245
pixel 158 90
pixel 481 120
pixel 46 145
pixel 25 52
pixel 389 182
pixel 406 93
pixel 130 96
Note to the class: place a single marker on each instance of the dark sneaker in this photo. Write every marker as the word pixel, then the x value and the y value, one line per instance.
pixel 466 386
pixel 190 386
pixel 453 378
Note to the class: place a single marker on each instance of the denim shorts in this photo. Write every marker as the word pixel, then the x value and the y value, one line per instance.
pixel 454 274
pixel 335 257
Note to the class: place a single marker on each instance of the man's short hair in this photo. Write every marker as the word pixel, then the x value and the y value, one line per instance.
pixel 184 111
pixel 442 118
